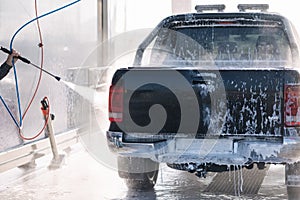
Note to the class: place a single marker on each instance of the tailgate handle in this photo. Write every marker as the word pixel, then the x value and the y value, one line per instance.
pixel 201 81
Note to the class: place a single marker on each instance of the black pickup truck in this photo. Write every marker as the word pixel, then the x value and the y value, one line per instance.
pixel 208 91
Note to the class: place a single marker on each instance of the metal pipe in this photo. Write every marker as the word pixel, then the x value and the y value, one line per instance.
pixel 48 120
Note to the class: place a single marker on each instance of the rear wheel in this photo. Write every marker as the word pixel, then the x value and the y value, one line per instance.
pixel 144 181
pixel 138 173
pixel 292 177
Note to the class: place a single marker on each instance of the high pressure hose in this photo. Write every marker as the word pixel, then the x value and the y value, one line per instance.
pixel 38 83
pixel 42 60
pixel 44 126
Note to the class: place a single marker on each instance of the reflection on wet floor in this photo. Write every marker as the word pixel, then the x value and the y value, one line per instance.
pixel 174 184
pixel 82 177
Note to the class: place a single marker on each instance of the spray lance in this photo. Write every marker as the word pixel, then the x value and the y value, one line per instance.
pixel 25 60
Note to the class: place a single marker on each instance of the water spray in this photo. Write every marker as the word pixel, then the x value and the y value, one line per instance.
pixel 25 60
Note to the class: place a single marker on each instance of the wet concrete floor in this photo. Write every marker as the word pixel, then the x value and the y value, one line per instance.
pixel 82 177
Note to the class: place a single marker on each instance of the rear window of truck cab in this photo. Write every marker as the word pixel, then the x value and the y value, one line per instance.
pixel 223 43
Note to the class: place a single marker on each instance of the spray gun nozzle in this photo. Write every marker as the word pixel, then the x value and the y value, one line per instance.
pixel 57 78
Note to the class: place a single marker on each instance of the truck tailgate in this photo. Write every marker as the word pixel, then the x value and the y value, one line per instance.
pixel 229 102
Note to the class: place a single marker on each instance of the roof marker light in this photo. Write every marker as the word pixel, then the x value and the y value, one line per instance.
pixel 261 7
pixel 218 7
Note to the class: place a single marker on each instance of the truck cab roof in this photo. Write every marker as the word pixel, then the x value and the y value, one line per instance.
pixel 222 36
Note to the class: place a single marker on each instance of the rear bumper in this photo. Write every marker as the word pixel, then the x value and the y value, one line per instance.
pixel 221 151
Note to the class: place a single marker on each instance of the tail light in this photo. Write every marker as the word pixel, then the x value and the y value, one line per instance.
pixel 292 103
pixel 115 107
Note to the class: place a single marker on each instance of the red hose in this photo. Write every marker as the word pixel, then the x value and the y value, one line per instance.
pixel 47 115
pixel 38 83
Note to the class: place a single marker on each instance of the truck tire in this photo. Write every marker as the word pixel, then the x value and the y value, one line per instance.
pixel 138 173
pixel 292 179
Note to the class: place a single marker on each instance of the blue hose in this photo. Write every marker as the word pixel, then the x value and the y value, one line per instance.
pixel 9 111
pixel 15 72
